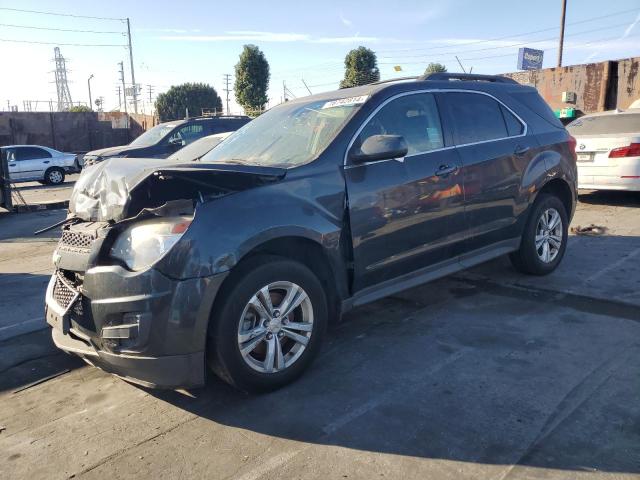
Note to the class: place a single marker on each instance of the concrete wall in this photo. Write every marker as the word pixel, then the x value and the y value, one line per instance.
pixel 72 132
pixel 598 86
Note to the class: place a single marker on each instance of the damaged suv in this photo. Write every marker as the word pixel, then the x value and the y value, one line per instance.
pixel 238 262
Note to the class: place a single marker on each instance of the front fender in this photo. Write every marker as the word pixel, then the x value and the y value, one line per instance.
pixel 226 229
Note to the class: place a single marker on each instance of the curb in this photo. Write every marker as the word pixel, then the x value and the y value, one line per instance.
pixel 41 206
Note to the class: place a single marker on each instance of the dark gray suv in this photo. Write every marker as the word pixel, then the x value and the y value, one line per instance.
pixel 238 262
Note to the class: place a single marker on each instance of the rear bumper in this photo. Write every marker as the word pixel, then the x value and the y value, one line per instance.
pixel 605 182
pixel 142 326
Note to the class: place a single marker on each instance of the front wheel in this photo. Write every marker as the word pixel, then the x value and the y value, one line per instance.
pixel 269 324
pixel 544 239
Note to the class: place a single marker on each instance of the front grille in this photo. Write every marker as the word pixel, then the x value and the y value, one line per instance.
pixel 63 293
pixel 77 242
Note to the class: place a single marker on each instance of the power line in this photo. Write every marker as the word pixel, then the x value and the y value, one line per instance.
pixel 41 12
pixel 458 52
pixel 56 29
pixel 474 42
pixel 529 42
pixel 58 43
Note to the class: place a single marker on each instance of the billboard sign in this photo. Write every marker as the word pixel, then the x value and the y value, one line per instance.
pixel 530 59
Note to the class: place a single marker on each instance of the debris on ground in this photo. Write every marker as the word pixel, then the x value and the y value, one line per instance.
pixel 590 230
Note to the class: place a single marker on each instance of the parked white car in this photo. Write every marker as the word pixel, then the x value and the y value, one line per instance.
pixel 608 150
pixel 34 162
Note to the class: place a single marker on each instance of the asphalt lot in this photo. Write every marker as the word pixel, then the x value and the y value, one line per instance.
pixel 34 193
pixel 486 374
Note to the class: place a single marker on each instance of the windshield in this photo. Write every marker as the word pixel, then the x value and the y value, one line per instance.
pixel 606 124
pixel 288 135
pixel 197 149
pixel 153 136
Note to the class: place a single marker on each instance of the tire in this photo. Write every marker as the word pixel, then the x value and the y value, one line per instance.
pixel 532 260
pixel 54 176
pixel 235 322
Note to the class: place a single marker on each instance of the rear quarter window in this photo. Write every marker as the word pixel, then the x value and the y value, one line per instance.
pixel 534 102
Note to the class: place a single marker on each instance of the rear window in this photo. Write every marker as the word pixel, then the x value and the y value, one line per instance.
pixel 606 124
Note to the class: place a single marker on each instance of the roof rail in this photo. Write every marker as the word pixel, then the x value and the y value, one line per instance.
pixel 397 79
pixel 466 76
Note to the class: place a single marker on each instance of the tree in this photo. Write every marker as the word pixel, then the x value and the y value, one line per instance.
pixel 80 109
pixel 435 68
pixel 173 104
pixel 360 68
pixel 252 79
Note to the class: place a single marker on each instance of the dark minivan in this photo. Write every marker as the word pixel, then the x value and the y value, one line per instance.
pixel 167 138
pixel 322 204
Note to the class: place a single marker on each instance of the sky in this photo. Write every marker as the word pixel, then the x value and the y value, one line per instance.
pixel 304 41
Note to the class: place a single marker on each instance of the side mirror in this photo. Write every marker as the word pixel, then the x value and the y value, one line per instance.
pixel 380 147
pixel 176 141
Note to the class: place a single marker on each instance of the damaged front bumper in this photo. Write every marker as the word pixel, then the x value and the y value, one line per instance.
pixel 142 326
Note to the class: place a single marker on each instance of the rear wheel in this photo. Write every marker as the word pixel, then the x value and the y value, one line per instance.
pixel 544 239
pixel 54 176
pixel 269 325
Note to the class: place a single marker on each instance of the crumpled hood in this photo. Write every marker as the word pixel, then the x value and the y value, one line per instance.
pixel 113 151
pixel 105 191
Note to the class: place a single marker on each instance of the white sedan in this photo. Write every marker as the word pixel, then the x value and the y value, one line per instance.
pixel 608 150
pixel 34 162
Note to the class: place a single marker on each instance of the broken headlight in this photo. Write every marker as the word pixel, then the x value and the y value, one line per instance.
pixel 144 243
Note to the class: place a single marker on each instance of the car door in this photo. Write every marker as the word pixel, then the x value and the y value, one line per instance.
pixel 495 151
pixel 33 161
pixel 404 213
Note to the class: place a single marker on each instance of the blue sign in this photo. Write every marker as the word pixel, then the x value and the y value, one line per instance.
pixel 530 59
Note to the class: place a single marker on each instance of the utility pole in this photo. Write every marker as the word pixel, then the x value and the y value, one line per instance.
pixel 227 80
pixel 284 91
pixel 124 92
pixel 89 85
pixel 119 97
pixel 133 76
pixel 562 17
pixel 150 87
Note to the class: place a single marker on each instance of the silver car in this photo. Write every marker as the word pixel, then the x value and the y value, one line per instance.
pixel 34 162
pixel 608 150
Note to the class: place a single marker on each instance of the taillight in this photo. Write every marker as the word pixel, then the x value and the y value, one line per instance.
pixel 632 150
pixel 572 145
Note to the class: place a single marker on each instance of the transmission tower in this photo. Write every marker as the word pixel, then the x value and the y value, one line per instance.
pixel 62 86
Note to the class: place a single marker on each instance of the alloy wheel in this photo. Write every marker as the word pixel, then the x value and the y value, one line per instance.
pixel 549 235
pixel 275 327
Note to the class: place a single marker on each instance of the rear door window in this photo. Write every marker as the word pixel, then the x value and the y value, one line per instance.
pixel 415 117
pixel 474 117
pixel 31 153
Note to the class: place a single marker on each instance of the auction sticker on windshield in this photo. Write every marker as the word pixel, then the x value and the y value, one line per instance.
pixel 341 102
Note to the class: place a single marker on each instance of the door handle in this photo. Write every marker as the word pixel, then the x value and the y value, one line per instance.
pixel 46 161
pixel 12 164
pixel 520 150
pixel 445 170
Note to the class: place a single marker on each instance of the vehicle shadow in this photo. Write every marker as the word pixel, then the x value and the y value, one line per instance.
pixel 458 371
pixel 609 197
pixel 39 186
